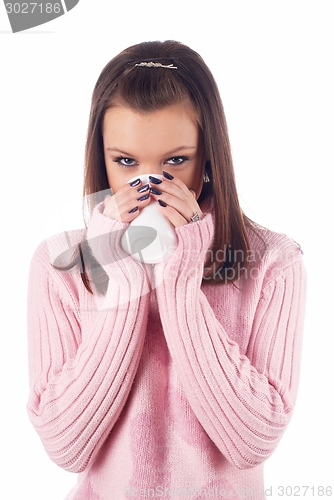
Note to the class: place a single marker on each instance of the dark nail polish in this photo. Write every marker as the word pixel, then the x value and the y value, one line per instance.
pixel 135 183
pixel 168 176
pixel 155 191
pixel 144 197
pixel 154 179
pixel 162 203
pixel 144 188
pixel 133 210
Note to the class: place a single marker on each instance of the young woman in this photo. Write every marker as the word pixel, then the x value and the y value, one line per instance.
pixel 176 379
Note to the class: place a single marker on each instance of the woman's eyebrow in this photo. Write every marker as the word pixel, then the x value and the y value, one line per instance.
pixel 168 153
pixel 116 150
pixel 180 148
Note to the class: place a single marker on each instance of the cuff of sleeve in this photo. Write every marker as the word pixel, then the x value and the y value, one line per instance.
pixel 195 238
pixel 101 224
pixel 193 242
pixel 104 237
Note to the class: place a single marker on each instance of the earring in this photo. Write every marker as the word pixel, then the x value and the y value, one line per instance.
pixel 206 178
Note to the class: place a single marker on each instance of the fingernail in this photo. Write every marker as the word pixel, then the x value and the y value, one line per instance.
pixel 143 188
pixel 154 179
pixel 155 191
pixel 135 183
pixel 162 203
pixel 168 176
pixel 142 198
pixel 133 210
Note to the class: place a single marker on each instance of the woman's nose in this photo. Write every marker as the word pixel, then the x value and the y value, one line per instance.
pixel 151 169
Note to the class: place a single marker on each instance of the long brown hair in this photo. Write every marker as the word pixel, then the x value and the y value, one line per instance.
pixel 147 89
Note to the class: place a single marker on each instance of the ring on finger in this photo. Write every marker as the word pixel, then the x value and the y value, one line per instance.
pixel 195 218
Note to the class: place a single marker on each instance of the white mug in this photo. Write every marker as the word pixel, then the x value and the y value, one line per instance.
pixel 150 237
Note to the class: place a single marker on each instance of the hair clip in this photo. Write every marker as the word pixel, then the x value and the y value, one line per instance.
pixel 152 64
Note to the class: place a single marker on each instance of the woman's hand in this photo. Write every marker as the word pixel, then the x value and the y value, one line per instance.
pixel 176 201
pixel 127 202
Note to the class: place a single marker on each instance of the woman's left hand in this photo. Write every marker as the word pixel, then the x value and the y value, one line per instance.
pixel 181 203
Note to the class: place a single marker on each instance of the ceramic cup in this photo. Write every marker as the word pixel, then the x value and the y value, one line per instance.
pixel 150 237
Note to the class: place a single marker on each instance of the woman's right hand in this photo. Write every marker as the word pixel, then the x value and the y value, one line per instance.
pixel 126 203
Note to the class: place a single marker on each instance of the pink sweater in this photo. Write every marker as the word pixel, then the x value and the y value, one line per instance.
pixel 164 388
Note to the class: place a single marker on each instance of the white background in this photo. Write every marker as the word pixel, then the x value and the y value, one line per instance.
pixel 273 62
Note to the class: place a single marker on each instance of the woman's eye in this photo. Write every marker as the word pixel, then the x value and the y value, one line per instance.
pixel 177 160
pixel 125 162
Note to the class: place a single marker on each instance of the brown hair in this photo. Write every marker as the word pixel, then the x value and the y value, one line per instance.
pixel 148 89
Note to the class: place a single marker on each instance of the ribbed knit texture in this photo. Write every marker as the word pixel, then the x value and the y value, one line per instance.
pixel 164 388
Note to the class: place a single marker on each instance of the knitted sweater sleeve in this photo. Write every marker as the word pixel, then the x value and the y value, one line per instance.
pixel 79 385
pixel 243 402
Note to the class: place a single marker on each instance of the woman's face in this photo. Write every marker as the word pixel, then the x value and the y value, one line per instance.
pixel 138 143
